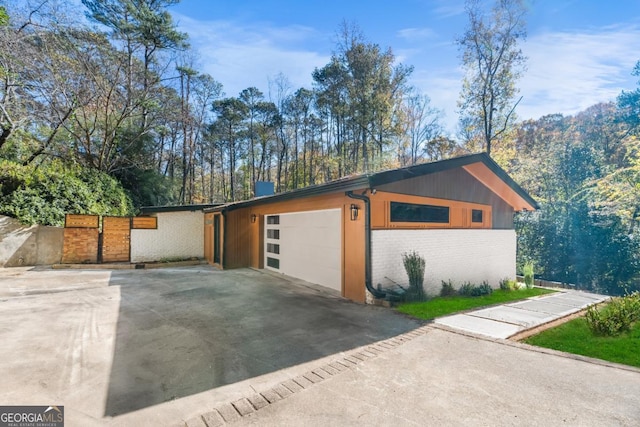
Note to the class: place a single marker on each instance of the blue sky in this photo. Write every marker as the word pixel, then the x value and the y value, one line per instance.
pixel 580 52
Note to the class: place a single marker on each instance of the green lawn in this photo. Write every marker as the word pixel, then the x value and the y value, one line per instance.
pixel 575 337
pixel 441 306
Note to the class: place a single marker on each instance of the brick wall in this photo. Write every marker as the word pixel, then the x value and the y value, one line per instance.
pixel 179 235
pixel 459 255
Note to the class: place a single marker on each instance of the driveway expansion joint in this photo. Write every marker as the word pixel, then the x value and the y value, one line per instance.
pixel 230 412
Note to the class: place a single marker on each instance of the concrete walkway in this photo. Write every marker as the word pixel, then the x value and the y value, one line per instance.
pixel 507 320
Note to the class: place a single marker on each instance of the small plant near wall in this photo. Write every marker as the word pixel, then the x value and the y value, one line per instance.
pixel 447 289
pixel 527 272
pixel 507 284
pixel 470 290
pixel 414 265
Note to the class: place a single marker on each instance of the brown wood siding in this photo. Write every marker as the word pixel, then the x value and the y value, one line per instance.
pixel 144 222
pixel 458 185
pixel 208 238
pixel 353 257
pixel 116 237
pixel 80 245
pixel 459 212
pixel 237 239
pixel 81 221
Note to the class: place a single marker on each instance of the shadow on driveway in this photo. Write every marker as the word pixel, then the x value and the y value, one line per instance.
pixel 185 331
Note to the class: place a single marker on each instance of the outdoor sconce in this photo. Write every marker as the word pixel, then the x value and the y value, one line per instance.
pixel 354 212
pixel 253 218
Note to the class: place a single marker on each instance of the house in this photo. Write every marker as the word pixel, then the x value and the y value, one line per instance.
pixel 349 235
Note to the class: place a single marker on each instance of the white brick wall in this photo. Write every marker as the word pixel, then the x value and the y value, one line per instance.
pixel 459 255
pixel 179 235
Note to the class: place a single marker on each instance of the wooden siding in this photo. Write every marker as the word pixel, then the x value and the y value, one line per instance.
pixel 116 237
pixel 456 185
pixel 80 245
pixel 81 221
pixel 208 238
pixel 237 239
pixel 459 212
pixel 144 222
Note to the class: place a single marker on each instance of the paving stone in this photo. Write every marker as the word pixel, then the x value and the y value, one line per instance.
pixel 271 395
pixel 213 419
pixel 228 412
pixel 362 354
pixel 282 391
pixel 358 356
pixel 352 359
pixel 368 353
pixel 243 406
pixel 391 343
pixel 385 345
pixel 322 373
pixel 293 386
pixel 314 378
pixel 196 422
pixel 374 350
pixel 339 366
pixel 330 369
pixel 303 382
pixel 258 401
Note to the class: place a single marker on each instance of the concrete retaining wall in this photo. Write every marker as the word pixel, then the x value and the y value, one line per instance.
pixel 456 255
pixel 22 245
pixel 179 235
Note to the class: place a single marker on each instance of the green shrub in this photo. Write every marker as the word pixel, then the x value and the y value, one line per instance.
pixel 44 194
pixel 466 289
pixel 508 285
pixel 447 289
pixel 414 265
pixel 527 272
pixel 616 317
pixel 484 289
pixel 470 290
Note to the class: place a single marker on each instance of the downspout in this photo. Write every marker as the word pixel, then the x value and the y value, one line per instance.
pixel 367 244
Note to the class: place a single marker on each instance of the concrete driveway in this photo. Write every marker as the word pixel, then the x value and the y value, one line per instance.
pixel 153 347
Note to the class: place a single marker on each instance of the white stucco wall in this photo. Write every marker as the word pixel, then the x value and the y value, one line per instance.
pixel 459 255
pixel 179 235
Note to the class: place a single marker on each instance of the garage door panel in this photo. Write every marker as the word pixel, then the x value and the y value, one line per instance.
pixel 310 246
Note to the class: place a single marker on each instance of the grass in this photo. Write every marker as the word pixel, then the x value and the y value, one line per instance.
pixel 575 337
pixel 441 306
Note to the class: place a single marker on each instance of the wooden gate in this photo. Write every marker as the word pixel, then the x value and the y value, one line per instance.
pixel 116 239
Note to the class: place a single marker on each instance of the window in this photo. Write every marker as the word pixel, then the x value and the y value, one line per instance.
pixel 273 234
pixel 273 248
pixel 476 215
pixel 409 212
pixel 273 219
pixel 273 262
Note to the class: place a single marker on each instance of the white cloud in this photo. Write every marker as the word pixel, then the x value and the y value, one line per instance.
pixel 570 71
pixel 417 34
pixel 243 56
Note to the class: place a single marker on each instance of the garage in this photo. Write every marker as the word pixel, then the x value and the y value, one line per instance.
pixel 305 245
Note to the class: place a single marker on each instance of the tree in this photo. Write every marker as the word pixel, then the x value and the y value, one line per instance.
pixel 422 133
pixel 493 63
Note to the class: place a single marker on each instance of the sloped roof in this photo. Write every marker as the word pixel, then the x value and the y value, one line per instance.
pixel 480 166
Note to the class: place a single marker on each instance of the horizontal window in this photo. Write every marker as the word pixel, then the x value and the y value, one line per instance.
pixel 273 234
pixel 273 262
pixel 476 215
pixel 410 212
pixel 273 248
pixel 273 219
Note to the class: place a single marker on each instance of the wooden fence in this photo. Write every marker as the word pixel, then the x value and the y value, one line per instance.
pixel 85 244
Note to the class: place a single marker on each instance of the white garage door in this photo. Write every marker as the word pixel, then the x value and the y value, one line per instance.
pixel 306 245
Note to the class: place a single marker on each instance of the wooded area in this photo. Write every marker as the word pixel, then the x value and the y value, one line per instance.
pixel 107 117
